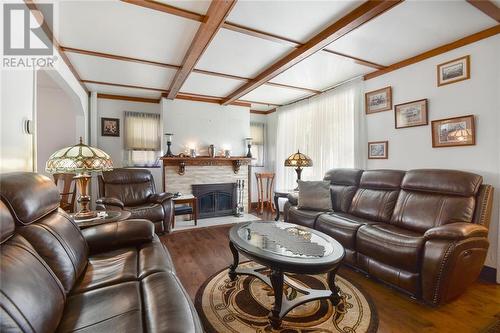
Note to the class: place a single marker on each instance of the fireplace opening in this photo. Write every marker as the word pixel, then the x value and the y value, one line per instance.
pixel 215 199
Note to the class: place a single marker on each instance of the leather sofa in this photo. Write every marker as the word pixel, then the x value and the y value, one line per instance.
pixel 134 190
pixel 116 277
pixel 424 231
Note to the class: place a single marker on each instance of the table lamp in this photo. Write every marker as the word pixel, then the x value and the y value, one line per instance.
pixel 81 160
pixel 299 161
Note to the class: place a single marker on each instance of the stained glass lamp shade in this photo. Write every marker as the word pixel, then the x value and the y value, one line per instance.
pixel 299 161
pixel 82 160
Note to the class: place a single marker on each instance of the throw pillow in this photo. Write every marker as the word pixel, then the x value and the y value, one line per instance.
pixel 314 195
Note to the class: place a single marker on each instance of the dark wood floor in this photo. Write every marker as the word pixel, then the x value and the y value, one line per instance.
pixel 199 253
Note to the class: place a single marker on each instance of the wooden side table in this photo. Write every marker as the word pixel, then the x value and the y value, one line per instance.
pixel 280 194
pixel 190 200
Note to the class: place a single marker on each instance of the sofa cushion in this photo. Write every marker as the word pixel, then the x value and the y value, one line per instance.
pixel 60 243
pixel 126 264
pixel 168 306
pixel 377 194
pixel 452 182
pixel 391 245
pixel 314 195
pixel 150 211
pixel 32 297
pixel 342 227
pixel 115 308
pixel 303 217
pixel 343 186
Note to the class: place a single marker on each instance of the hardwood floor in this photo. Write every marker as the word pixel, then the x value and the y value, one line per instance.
pixel 199 253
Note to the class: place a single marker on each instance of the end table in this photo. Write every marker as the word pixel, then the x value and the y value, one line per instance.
pixel 280 194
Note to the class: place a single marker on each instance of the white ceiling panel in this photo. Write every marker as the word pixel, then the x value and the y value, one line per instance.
pixel 124 29
pixel 197 6
pixel 275 95
pixel 320 71
pixel 123 72
pixel 296 20
pixel 410 28
pixel 102 89
pixel 238 54
pixel 210 85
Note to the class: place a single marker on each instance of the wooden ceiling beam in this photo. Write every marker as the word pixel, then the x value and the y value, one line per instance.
pixel 170 66
pixel 32 6
pixel 437 51
pixel 488 7
pixel 343 26
pixel 263 112
pixel 129 98
pixel 216 15
pixel 239 28
pixel 124 85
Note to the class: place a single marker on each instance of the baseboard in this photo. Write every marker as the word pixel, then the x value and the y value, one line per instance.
pixel 488 274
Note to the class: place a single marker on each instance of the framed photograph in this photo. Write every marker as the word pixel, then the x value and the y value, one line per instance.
pixel 110 127
pixel 451 132
pixel 453 71
pixel 378 150
pixel 411 114
pixel 378 100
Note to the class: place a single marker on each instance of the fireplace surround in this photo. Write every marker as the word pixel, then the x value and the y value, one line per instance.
pixel 215 199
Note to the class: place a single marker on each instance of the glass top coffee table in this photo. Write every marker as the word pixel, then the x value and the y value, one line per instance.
pixel 286 248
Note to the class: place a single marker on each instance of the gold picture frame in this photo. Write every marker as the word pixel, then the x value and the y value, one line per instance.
pixel 378 150
pixel 453 132
pixel 453 71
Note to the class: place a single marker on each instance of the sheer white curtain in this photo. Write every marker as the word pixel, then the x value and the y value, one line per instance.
pixel 142 138
pixel 328 128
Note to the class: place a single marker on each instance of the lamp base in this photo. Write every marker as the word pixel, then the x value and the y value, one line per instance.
pixel 82 183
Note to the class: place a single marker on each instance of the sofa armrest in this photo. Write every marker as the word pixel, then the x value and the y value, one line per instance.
pixel 456 231
pixel 159 198
pixel 115 235
pixel 293 198
pixel 108 201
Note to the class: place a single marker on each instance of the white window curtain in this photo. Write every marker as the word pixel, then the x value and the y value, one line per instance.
pixel 328 128
pixel 142 139
pixel 257 132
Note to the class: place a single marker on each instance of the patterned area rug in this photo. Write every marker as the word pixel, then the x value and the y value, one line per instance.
pixel 243 305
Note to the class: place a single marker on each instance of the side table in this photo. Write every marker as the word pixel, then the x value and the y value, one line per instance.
pixel 113 216
pixel 280 194
pixel 190 200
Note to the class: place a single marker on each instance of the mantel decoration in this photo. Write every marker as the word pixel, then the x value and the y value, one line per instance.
pixel 248 143
pixel 169 143
pixel 82 160
pixel 299 161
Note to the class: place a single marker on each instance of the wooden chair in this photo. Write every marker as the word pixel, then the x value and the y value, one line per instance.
pixel 67 187
pixel 267 199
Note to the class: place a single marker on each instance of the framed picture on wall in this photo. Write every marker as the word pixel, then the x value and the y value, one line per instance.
pixel 411 114
pixel 451 132
pixel 378 150
pixel 453 71
pixel 110 127
pixel 378 100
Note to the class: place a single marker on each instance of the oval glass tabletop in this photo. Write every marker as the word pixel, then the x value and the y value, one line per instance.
pixel 288 240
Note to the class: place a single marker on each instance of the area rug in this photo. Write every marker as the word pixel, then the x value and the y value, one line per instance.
pixel 243 305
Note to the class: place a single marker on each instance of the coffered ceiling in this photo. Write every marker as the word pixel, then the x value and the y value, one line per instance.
pixel 267 53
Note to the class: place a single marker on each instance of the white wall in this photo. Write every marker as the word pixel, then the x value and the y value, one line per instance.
pixel 114 146
pixel 55 110
pixel 411 148
pixel 16 106
pixel 203 124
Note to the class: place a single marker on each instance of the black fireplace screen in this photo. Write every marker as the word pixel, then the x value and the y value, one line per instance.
pixel 215 199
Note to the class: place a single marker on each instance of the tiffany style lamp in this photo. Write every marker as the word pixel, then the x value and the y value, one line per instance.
pixel 81 160
pixel 299 161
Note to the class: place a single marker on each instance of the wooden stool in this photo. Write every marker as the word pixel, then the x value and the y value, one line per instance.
pixel 267 200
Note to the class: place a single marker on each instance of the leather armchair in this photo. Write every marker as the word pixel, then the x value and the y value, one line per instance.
pixel 134 190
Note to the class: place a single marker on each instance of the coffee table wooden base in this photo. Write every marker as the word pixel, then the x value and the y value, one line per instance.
pixel 277 279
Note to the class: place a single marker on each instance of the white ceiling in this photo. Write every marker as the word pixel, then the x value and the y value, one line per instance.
pixel 124 29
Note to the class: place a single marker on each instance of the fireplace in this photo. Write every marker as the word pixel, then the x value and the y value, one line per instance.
pixel 215 199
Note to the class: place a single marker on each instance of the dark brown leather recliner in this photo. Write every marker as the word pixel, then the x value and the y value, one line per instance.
pixel 134 190
pixel 422 231
pixel 115 277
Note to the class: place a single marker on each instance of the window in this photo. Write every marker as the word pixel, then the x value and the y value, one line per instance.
pixel 142 139
pixel 257 133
